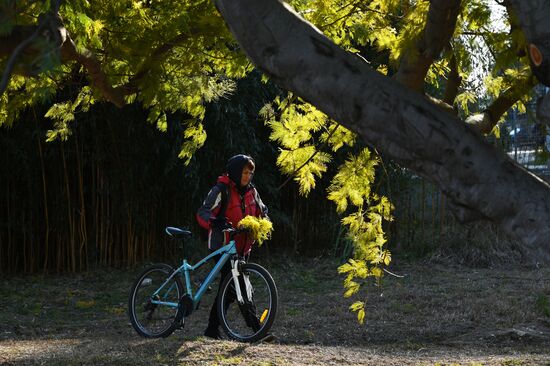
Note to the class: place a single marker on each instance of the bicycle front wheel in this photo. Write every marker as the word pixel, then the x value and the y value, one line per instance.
pixel 151 307
pixel 252 320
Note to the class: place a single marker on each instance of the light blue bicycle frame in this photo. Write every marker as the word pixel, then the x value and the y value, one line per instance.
pixel 226 252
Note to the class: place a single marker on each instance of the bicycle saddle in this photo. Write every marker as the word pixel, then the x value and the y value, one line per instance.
pixel 177 232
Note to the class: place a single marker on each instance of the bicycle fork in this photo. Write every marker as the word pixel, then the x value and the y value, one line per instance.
pixel 248 287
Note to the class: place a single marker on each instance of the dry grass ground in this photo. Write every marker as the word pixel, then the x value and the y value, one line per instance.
pixel 435 315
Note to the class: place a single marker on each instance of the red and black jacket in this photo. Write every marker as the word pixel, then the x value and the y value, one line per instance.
pixel 238 206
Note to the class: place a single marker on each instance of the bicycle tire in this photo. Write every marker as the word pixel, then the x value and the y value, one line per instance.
pixel 135 302
pixel 234 324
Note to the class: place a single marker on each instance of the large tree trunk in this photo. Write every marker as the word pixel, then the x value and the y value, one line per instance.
pixel 479 181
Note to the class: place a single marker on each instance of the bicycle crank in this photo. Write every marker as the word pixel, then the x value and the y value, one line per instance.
pixel 185 307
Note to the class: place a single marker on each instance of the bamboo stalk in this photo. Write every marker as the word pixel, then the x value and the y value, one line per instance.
pixel 71 245
pixel 32 241
pixel 94 206
pixel 46 214
pixel 58 257
pixel 104 221
pixel 103 228
pixel 115 237
pixel 83 234
pixel 9 215
pixel 149 239
pixel 129 239
pixel 99 221
pixel 109 239
pixel 24 246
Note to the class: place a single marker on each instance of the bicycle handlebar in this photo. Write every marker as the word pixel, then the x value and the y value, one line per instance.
pixel 234 231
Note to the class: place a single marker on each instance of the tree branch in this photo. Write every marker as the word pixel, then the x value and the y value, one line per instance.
pixel 405 126
pixel 15 54
pixel 93 66
pixel 484 122
pixel 453 82
pixel 440 25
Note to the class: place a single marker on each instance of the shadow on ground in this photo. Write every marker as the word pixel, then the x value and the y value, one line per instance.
pixel 435 314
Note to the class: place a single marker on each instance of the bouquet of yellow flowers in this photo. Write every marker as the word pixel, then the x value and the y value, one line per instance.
pixel 259 228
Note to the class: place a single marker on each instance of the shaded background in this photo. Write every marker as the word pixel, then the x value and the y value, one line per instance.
pixel 104 196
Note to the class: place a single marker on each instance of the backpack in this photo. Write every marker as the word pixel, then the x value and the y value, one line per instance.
pixel 224 190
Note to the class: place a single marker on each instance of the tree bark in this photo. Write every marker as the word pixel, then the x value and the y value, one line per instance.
pixel 440 25
pixel 453 83
pixel 479 181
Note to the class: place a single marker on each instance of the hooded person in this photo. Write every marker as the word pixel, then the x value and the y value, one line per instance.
pixel 230 200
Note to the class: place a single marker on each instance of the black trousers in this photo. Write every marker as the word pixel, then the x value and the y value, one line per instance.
pixel 213 319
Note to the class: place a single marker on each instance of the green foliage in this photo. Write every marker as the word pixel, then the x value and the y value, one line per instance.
pixel 353 181
pixel 305 163
pixel 352 186
pixel 295 126
pixel 24 93
pixel 170 57
pixel 359 307
pixel 195 137
pixel 337 136
pixel 63 113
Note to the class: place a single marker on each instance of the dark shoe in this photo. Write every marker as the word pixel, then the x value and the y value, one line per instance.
pixel 213 333
pixel 254 323
pixel 250 317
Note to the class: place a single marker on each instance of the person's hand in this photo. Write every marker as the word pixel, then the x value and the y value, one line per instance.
pixel 218 223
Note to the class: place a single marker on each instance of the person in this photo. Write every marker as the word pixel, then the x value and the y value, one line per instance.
pixel 230 200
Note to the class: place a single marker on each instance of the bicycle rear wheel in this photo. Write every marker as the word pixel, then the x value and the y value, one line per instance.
pixel 152 320
pixel 251 321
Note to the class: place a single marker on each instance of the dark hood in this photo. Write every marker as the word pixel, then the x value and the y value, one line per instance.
pixel 235 166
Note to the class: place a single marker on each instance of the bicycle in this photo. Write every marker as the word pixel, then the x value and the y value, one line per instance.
pixel 159 303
